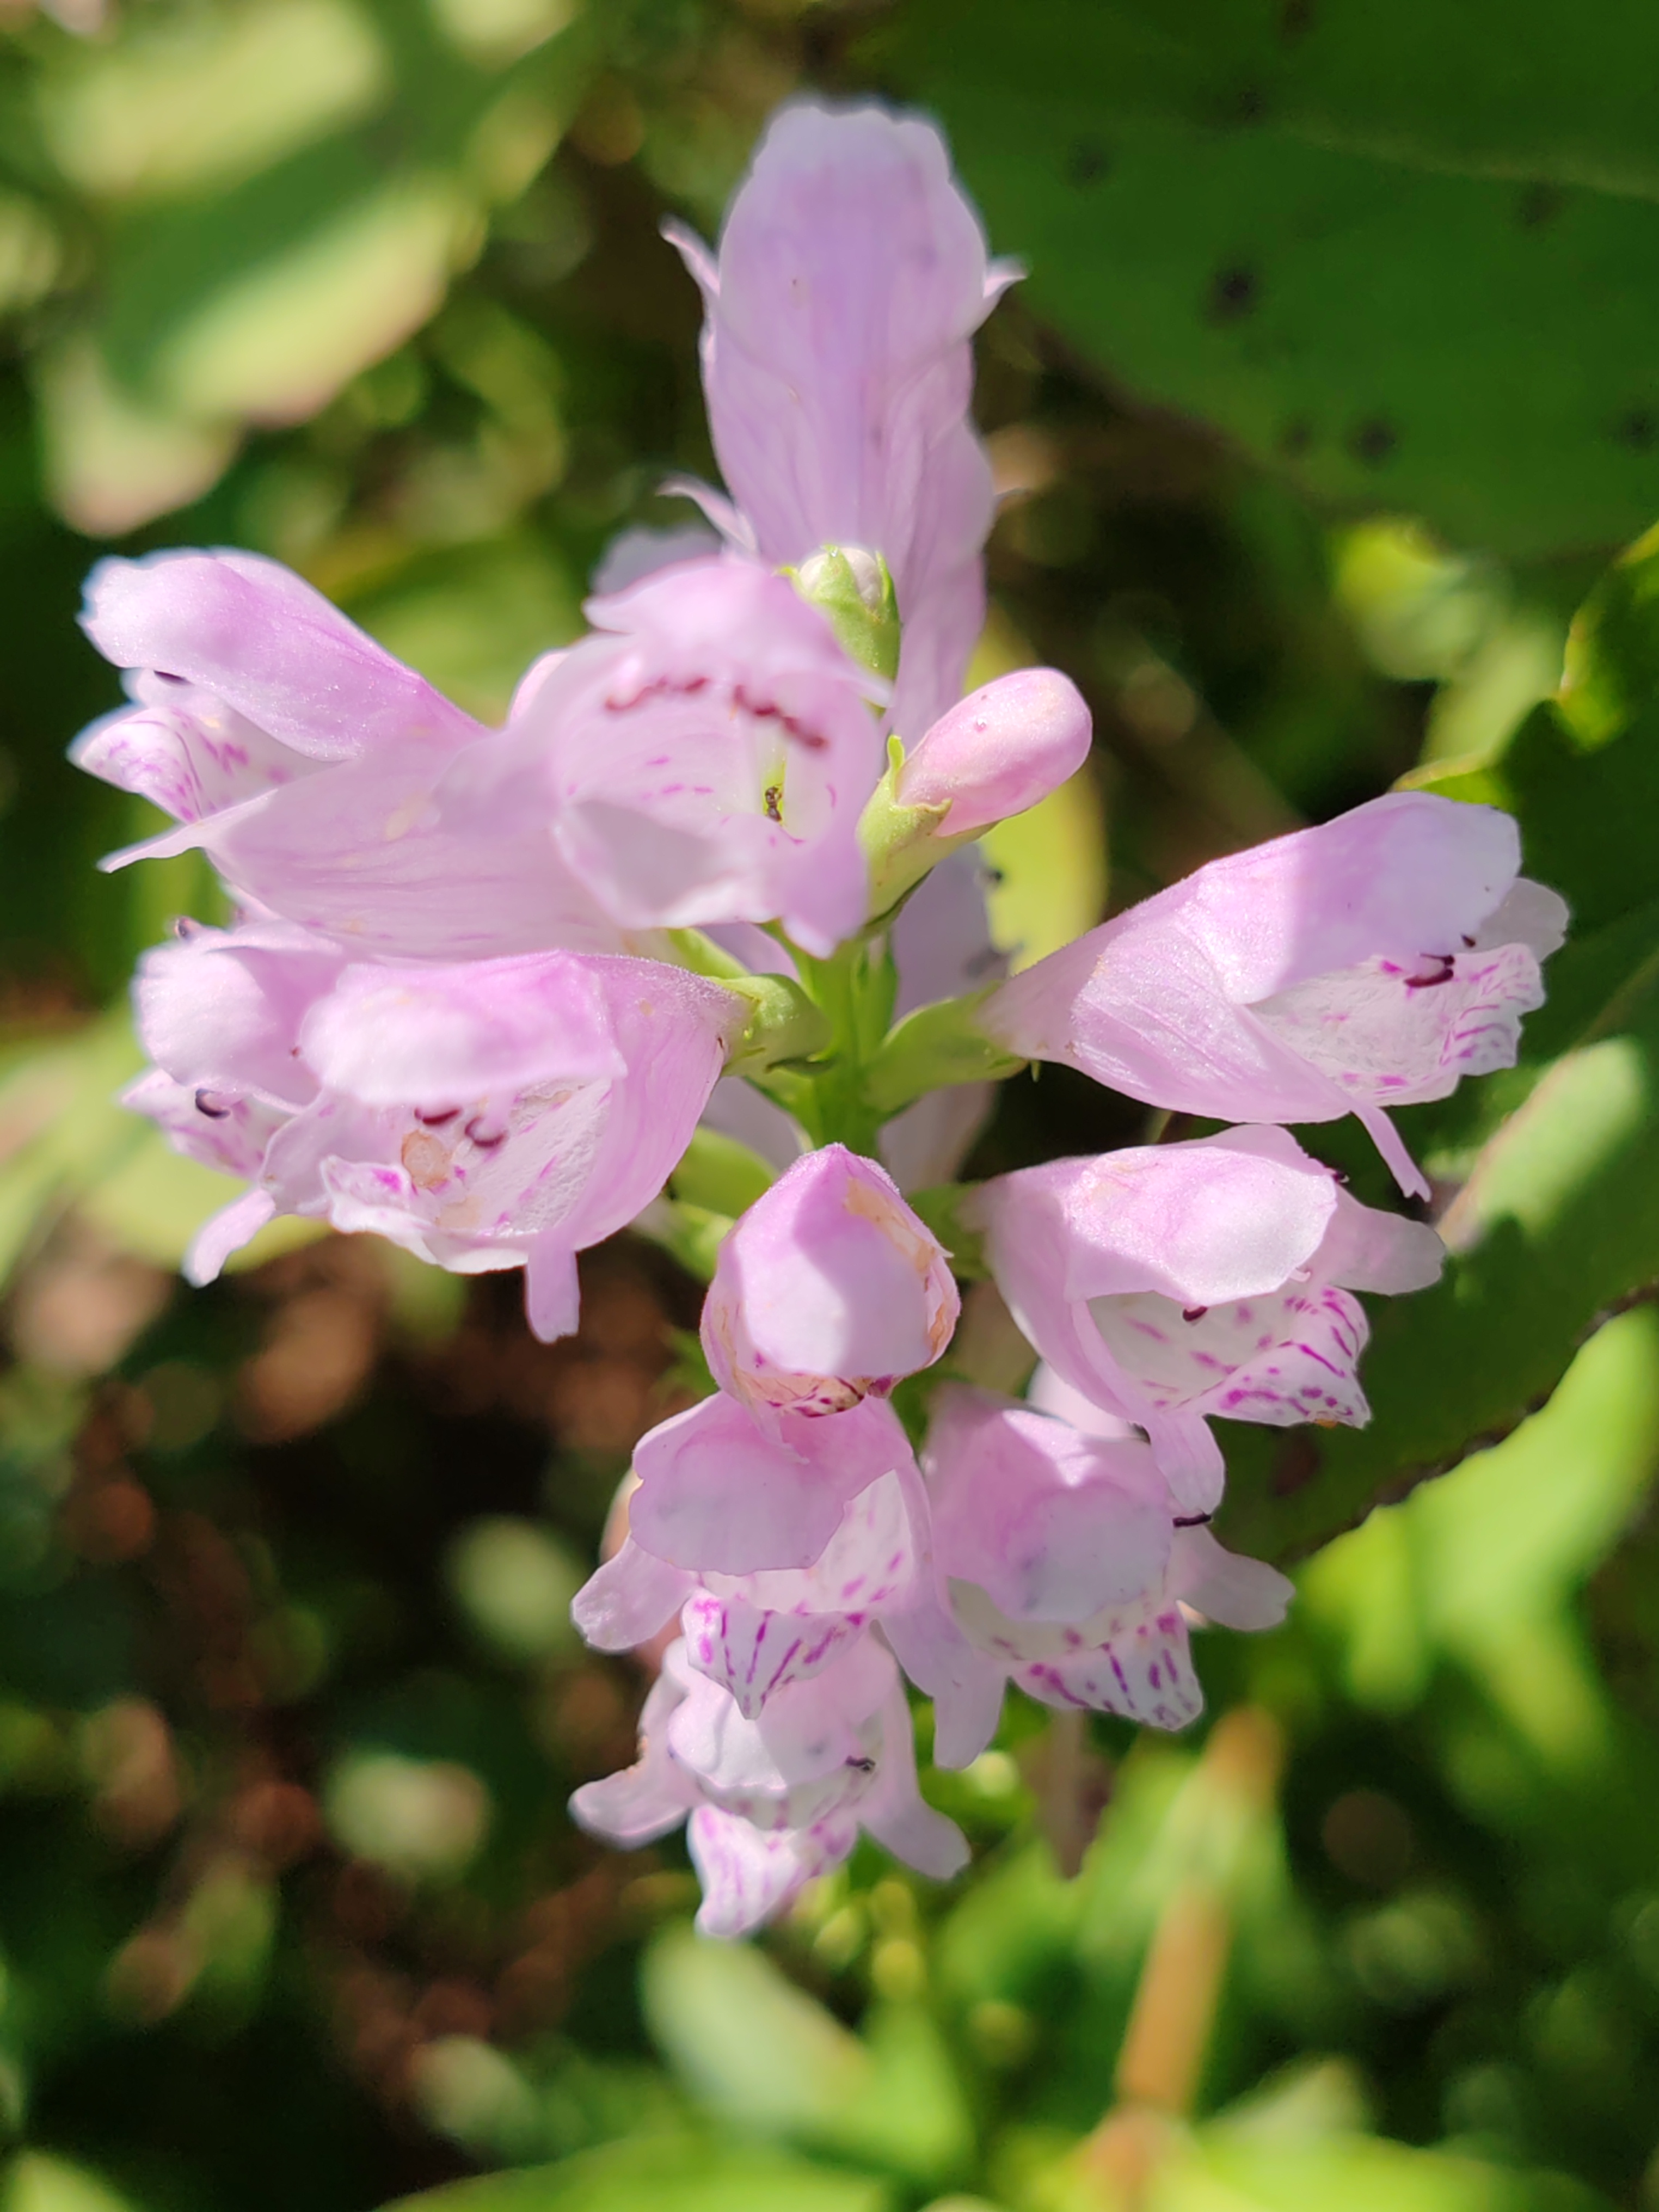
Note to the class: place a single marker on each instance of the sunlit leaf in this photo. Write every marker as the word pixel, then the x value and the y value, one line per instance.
pixel 764 2055
pixel 685 2175
pixel 1292 223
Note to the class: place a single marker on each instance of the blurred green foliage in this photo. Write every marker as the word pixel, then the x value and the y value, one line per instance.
pixel 1327 401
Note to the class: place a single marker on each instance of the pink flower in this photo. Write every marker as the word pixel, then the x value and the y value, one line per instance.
pixel 829 1289
pixel 1173 1282
pixel 498 1114
pixel 704 757
pixel 718 1495
pixel 1065 1572
pixel 314 767
pixel 754 1633
pixel 246 678
pixel 998 752
pixel 776 1800
pixel 851 274
pixel 1370 963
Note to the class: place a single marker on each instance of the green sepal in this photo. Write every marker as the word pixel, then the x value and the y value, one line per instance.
pixel 719 1175
pixel 783 1024
pixel 936 1046
pixel 864 617
pixel 947 1208
pixel 900 843
pixel 691 1234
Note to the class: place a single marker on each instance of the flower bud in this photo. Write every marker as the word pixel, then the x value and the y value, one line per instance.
pixel 829 1290
pixel 998 752
pixel 853 589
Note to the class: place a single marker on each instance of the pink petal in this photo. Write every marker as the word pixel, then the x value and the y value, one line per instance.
pixel 423 854
pixel 894 1812
pixel 222 1010
pixel 225 1232
pixel 999 751
pixel 1336 969
pixel 1144 1672
pixel 259 638
pixel 1225 1586
pixel 626 1600
pixel 752 1653
pixel 717 1496
pixel 749 1878
pixel 221 1132
pixel 552 1295
pixel 1053 1524
pixel 829 1288
pixel 706 754
pixel 392 1036
pixel 851 276
pixel 648 1799
pixel 1406 875
pixel 185 752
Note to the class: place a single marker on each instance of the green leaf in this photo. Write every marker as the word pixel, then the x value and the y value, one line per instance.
pixel 1334 230
pixel 676 2174
pixel 37 2182
pixel 356 164
pixel 1361 2173
pixel 65 1139
pixel 763 2056
pixel 720 1174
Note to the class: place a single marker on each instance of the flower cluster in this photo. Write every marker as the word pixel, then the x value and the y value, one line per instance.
pixel 484 988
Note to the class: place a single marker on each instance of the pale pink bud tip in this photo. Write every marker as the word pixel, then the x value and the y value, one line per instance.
pixel 999 751
pixel 828 1291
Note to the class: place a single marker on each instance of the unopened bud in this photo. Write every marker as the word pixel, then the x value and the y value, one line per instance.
pixel 829 1289
pixel 998 751
pixel 852 588
pixel 995 753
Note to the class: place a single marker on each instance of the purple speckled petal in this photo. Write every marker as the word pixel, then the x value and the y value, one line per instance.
pixel 1143 1672
pixel 748 1877
pixel 1342 969
pixel 752 1652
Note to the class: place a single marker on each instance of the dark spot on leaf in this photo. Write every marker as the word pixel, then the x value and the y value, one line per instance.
pixel 1539 205
pixel 1295 1466
pixel 1639 429
pixel 1234 293
pixel 1374 441
pixel 1295 19
pixel 1247 105
pixel 1087 163
pixel 1296 437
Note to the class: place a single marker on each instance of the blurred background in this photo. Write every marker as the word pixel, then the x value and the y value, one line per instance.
pixel 1329 395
